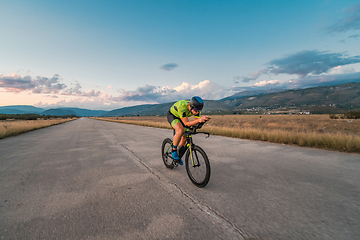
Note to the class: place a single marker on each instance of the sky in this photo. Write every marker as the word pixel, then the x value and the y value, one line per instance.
pixel 105 55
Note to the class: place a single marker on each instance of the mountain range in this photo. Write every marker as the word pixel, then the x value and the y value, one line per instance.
pixel 22 109
pixel 329 99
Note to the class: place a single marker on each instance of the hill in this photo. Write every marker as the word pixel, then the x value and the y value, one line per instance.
pixel 59 112
pixel 344 96
pixel 252 93
pixel 86 112
pixel 20 109
pixel 143 110
pixel 329 99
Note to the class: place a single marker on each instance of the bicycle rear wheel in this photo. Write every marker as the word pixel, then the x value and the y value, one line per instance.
pixel 197 166
pixel 166 153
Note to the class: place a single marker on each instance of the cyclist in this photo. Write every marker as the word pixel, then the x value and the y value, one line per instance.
pixel 178 118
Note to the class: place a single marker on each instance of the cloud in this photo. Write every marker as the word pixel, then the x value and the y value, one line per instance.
pixel 48 85
pixel 16 83
pixel 267 83
pixel 73 91
pixel 205 89
pixel 252 76
pixel 154 94
pixel 89 103
pixel 351 21
pixel 60 95
pixel 335 77
pixel 322 80
pixel 76 92
pixel 43 85
pixel 355 36
pixel 310 62
pixel 340 70
pixel 304 63
pixel 146 93
pixel 169 66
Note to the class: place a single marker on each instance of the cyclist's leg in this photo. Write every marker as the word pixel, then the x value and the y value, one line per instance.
pixel 182 141
pixel 182 147
pixel 179 131
pixel 178 127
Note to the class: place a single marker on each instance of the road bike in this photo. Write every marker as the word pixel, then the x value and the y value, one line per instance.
pixel 196 161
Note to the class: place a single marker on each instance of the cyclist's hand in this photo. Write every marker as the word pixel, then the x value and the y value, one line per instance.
pixel 204 119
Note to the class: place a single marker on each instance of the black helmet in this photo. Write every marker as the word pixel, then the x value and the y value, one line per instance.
pixel 196 102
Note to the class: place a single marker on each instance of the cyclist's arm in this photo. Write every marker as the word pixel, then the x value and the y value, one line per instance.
pixel 197 116
pixel 188 123
pixel 195 121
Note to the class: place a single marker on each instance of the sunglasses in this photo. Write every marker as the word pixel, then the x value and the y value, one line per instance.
pixel 195 109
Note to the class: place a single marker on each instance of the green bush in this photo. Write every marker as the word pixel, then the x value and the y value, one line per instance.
pixel 333 116
pixel 352 115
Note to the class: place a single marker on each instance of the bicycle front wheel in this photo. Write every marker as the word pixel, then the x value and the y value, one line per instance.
pixel 166 153
pixel 197 166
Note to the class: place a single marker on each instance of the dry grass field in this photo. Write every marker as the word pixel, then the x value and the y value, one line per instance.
pixel 14 127
pixel 304 130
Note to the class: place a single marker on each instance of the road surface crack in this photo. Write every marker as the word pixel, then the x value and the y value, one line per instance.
pixel 203 207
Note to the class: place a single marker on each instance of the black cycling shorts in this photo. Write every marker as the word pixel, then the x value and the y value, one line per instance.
pixel 173 120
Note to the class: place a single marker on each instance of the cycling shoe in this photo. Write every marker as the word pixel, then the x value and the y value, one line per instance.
pixel 175 155
pixel 177 158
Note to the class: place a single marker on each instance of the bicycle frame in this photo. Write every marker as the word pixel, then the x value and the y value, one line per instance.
pixel 189 144
pixel 196 161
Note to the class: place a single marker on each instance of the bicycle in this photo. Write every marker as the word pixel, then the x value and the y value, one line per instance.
pixel 198 166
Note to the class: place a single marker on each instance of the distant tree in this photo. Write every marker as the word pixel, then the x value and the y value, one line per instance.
pixel 352 115
pixel 333 116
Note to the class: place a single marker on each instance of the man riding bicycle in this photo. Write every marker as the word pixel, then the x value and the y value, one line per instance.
pixel 178 118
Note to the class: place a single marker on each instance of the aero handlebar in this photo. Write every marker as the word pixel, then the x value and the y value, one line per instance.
pixel 195 127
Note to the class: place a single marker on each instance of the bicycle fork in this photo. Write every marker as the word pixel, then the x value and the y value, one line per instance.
pixel 194 161
pixel 190 145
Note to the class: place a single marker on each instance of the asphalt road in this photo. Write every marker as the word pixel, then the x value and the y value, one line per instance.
pixel 91 179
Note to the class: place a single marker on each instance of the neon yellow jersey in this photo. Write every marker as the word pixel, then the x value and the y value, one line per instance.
pixel 180 109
